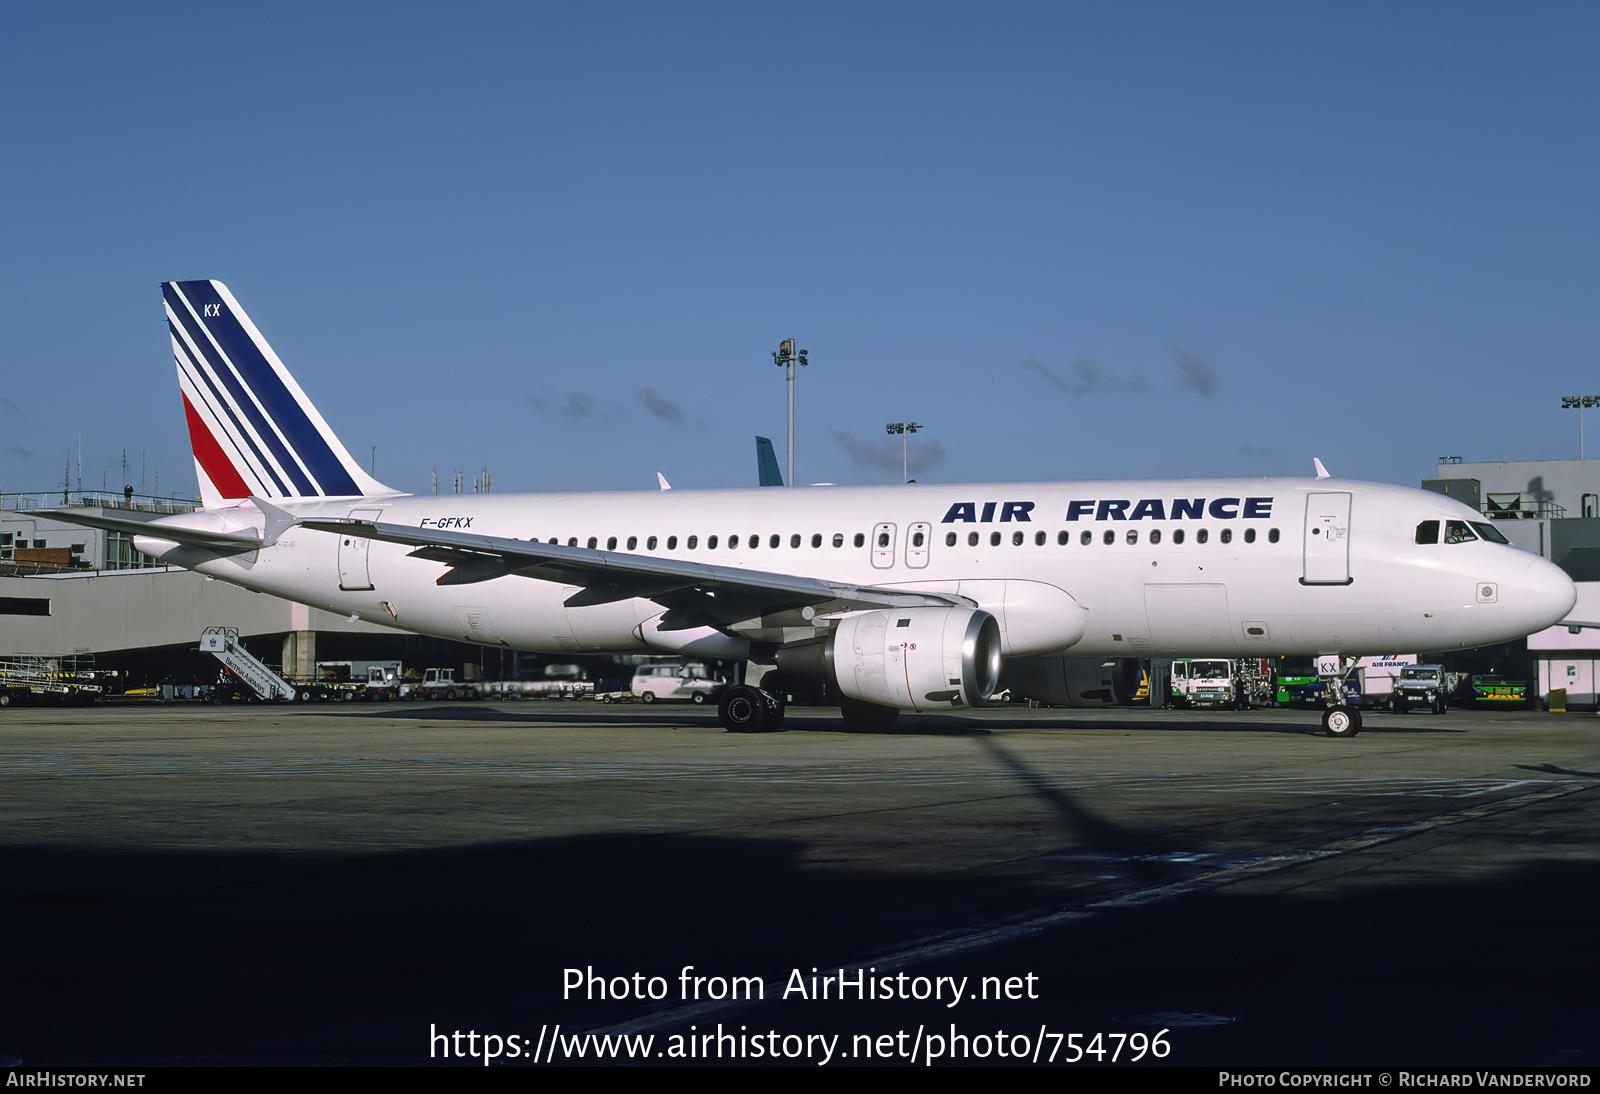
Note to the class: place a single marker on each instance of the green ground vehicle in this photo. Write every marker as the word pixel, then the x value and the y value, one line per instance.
pixel 1496 691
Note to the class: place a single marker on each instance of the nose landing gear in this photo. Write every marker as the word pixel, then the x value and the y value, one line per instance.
pixel 1340 719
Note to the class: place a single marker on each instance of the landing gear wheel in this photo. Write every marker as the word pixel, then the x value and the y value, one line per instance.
pixel 743 709
pixel 1341 721
pixel 862 717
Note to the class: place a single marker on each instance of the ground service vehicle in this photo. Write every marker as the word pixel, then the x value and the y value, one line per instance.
pixel 441 684
pixel 685 682
pixel 896 597
pixel 1496 691
pixel 1423 687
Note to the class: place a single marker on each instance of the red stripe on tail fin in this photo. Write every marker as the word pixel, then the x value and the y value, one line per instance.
pixel 213 461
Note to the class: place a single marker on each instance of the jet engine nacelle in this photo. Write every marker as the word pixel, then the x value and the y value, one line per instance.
pixel 916 658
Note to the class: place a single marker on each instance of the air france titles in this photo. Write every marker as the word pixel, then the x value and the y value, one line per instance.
pixel 969 512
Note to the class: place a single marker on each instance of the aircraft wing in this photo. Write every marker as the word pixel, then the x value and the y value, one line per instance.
pixel 694 593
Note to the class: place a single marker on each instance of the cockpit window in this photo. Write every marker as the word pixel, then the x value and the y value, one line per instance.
pixel 1456 531
pixel 1491 533
pixel 1428 532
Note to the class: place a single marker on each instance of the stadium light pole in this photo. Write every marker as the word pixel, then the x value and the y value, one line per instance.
pixel 1578 402
pixel 903 428
pixel 786 357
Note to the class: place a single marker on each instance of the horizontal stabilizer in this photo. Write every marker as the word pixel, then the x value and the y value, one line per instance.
pixel 125 521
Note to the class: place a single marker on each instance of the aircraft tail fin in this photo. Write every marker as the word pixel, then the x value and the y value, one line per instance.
pixel 767 463
pixel 253 431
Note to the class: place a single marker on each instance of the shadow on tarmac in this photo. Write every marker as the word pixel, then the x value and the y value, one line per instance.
pixel 149 956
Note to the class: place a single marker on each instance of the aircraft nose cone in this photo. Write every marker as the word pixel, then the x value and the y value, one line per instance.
pixel 1551 593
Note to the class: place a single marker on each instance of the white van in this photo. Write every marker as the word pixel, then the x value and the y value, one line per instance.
pixel 690 682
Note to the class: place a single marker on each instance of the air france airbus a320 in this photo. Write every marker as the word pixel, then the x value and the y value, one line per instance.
pixel 900 598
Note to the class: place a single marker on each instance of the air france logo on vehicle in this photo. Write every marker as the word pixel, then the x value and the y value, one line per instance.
pixel 445 522
pixel 1116 509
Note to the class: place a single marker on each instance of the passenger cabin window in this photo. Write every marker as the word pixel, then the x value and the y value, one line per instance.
pixel 1038 539
pixel 994 539
pixel 693 540
pixel 816 539
pixel 1272 536
pixel 1226 535
pixel 1201 536
pixel 1110 537
pixel 593 543
pixel 1249 535
pixel 1063 537
pixel 650 544
pixel 950 539
pixel 972 539
pixel 1177 535
pixel 611 543
pixel 1456 531
pixel 838 539
pixel 1428 532
pixel 1016 539
pixel 1155 535
pixel 711 543
pixel 1086 538
pixel 672 543
pixel 861 540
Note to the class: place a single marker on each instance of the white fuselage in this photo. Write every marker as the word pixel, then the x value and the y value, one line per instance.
pixel 1282 566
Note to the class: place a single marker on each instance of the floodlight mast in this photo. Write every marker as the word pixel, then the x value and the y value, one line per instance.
pixel 1578 402
pixel 786 356
pixel 903 428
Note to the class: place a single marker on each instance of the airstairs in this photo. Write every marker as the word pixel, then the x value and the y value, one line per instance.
pixel 223 644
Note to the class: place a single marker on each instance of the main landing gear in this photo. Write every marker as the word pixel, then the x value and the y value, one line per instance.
pixel 747 709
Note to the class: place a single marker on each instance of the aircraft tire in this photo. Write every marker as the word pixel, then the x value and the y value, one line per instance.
pixel 1341 721
pixel 743 709
pixel 862 717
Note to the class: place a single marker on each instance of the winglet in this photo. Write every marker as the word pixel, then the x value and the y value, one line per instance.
pixel 278 521
pixel 662 479
pixel 1322 472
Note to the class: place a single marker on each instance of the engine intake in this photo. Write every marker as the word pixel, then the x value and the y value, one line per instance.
pixel 913 658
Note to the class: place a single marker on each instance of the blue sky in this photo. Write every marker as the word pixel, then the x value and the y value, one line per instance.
pixel 560 240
